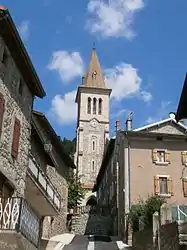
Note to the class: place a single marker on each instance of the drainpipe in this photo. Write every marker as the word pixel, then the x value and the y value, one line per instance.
pixel 127 173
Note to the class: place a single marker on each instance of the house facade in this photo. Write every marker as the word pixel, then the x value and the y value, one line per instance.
pixel 19 85
pixel 49 159
pixel 147 161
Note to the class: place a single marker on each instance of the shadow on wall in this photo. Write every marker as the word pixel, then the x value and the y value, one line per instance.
pixel 99 221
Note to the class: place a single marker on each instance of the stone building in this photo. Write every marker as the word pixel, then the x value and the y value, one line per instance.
pixel 92 124
pixel 19 85
pixel 141 162
pixel 49 159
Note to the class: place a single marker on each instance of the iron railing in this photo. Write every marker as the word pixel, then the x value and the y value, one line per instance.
pixel 16 214
pixel 44 182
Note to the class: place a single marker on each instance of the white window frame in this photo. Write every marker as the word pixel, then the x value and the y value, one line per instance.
pixel 165 163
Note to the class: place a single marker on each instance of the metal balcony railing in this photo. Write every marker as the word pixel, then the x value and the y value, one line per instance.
pixel 17 215
pixel 44 182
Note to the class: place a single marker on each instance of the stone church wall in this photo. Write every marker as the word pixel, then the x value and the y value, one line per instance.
pixel 94 224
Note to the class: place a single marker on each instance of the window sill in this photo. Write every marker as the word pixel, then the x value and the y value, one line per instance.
pixel 159 163
pixel 164 195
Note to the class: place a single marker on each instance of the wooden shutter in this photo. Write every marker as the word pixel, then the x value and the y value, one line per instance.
pixel 183 157
pixel 170 186
pixel 184 186
pixel 168 157
pixel 16 138
pixel 2 109
pixel 156 185
pixel 154 155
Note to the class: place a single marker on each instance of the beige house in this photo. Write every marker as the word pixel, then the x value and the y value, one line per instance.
pixel 141 162
pixel 33 164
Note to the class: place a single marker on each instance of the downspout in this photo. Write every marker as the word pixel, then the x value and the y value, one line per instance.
pixel 127 183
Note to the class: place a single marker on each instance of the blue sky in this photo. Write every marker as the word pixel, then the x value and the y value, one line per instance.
pixel 141 45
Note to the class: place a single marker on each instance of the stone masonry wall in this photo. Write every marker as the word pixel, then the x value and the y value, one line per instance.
pixel 16 106
pixel 91 224
pixel 57 224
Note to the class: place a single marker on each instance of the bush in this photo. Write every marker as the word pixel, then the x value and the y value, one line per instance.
pixel 145 209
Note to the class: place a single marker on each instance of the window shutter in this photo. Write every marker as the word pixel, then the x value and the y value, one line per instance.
pixel 154 155
pixel 170 185
pixel 183 157
pixel 168 157
pixel 16 137
pixel 2 109
pixel 156 185
pixel 184 186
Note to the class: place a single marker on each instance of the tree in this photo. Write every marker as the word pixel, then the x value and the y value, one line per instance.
pixel 76 192
pixel 69 146
pixel 145 209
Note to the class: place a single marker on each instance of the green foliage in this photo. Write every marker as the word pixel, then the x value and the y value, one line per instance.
pixel 69 146
pixel 75 191
pixel 145 209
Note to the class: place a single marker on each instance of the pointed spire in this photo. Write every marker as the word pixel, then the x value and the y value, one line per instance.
pixel 94 77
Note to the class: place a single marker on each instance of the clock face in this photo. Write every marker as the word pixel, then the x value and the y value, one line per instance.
pixel 94 123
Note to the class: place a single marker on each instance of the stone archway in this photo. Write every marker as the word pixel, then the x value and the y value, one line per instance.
pixel 92 201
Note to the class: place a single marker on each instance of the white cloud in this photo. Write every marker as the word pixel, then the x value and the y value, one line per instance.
pixel 23 29
pixel 146 96
pixel 125 82
pixel 63 108
pixel 113 17
pixel 162 112
pixel 68 65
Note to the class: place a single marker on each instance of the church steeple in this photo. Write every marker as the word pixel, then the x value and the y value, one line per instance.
pixel 94 77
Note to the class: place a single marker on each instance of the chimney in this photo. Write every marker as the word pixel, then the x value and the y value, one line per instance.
pixel 117 125
pixel 129 122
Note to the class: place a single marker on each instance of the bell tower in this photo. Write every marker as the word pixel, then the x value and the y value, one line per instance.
pixel 92 124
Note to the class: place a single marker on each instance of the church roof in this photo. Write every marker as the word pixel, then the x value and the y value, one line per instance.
pixel 94 77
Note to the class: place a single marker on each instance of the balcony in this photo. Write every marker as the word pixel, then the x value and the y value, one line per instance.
pixel 19 225
pixel 40 192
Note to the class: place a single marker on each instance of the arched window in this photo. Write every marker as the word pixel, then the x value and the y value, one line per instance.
pixel 93 145
pixel 94 105
pixel 89 105
pixel 100 106
pixel 93 166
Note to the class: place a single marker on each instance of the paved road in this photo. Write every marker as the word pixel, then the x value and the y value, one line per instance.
pixel 80 242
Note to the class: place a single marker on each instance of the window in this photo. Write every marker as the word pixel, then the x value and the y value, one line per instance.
pixel 20 87
pixel 93 166
pixel 161 156
pixel 184 186
pixel 89 105
pixel 93 145
pixel 94 105
pixel 4 58
pixel 16 138
pixel 100 106
pixel 5 189
pixel 163 185
pixel 184 157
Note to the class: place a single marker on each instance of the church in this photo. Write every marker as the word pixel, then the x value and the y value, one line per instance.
pixel 92 128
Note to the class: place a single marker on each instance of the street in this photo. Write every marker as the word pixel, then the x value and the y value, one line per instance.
pixel 80 242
